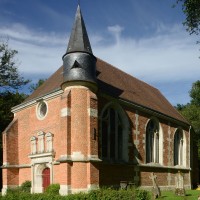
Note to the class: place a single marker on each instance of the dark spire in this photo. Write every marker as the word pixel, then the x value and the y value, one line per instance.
pixel 79 62
pixel 79 41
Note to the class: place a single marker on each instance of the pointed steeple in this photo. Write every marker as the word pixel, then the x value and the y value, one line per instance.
pixel 79 41
pixel 79 62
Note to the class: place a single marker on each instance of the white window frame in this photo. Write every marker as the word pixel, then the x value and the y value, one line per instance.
pixel 179 148
pixel 154 148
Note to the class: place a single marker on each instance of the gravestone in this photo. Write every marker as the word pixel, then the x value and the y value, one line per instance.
pixel 155 189
pixel 179 180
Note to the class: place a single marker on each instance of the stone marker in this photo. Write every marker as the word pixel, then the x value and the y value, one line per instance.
pixel 179 180
pixel 155 189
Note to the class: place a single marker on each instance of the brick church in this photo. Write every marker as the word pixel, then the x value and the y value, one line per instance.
pixel 91 125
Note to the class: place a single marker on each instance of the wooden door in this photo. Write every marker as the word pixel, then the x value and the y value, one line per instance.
pixel 45 178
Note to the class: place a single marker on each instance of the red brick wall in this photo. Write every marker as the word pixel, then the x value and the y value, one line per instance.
pixel 79 132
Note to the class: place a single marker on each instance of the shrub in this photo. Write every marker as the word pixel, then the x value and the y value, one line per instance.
pixel 53 189
pixel 100 194
pixel 142 195
pixel 26 186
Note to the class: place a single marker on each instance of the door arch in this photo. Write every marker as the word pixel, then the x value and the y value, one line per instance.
pixel 45 178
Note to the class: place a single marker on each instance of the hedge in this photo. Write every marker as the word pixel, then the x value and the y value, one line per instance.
pixel 101 194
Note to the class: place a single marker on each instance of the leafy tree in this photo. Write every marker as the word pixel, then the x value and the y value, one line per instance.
pixel 195 93
pixel 10 81
pixel 7 101
pixel 191 9
pixel 33 86
pixel 9 74
pixel 191 111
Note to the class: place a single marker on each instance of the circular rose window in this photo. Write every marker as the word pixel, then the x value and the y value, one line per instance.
pixel 42 110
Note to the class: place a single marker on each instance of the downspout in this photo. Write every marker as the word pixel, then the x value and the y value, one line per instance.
pixel 190 148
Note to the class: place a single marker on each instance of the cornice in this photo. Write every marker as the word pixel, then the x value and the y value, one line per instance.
pixel 36 100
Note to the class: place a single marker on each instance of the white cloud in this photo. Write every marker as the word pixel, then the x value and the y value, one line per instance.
pixel 25 35
pixel 116 31
pixel 170 55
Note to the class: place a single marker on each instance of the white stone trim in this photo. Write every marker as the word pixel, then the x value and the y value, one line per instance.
pixel 93 158
pixel 65 190
pixel 69 158
pixel 5 166
pixel 41 135
pixel 92 187
pixel 36 174
pixel 65 112
pixel 92 112
pixel 35 101
pixel 38 110
pixel 49 142
pixel 77 156
pixel 47 154
pixel 157 165
pixel 6 187
pixel 33 145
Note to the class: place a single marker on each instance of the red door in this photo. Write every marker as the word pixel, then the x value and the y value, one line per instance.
pixel 45 178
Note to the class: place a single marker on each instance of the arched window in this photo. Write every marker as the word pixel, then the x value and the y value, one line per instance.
pixel 114 135
pixel 178 147
pixel 152 142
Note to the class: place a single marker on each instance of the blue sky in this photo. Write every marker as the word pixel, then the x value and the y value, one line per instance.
pixel 143 38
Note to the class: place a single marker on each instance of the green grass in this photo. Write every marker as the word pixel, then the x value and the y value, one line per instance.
pixel 190 195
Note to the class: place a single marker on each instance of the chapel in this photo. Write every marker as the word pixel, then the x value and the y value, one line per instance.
pixel 92 125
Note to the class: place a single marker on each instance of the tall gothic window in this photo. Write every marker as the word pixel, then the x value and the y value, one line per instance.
pixel 178 147
pixel 152 142
pixel 112 135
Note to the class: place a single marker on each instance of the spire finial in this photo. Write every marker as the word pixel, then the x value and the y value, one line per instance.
pixel 79 3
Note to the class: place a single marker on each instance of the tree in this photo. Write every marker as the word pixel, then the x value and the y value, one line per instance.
pixel 33 86
pixel 9 74
pixel 7 101
pixel 195 93
pixel 10 81
pixel 191 9
pixel 191 111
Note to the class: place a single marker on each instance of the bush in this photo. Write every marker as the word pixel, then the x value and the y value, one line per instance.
pixel 100 194
pixel 26 186
pixel 142 195
pixel 109 193
pixel 53 189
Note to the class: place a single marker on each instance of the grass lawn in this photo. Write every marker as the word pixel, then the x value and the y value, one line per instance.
pixel 190 195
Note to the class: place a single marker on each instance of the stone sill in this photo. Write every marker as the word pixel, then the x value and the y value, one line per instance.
pixel 157 165
pixel 15 166
pixel 65 159
pixel 39 155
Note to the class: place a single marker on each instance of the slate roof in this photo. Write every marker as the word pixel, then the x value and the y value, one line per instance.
pixel 79 41
pixel 118 84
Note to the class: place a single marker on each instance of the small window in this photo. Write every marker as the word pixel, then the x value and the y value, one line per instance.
pixel 42 110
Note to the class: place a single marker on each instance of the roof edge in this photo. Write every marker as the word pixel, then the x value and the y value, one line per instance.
pixel 31 102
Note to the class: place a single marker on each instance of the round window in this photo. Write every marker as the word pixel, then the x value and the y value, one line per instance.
pixel 42 110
